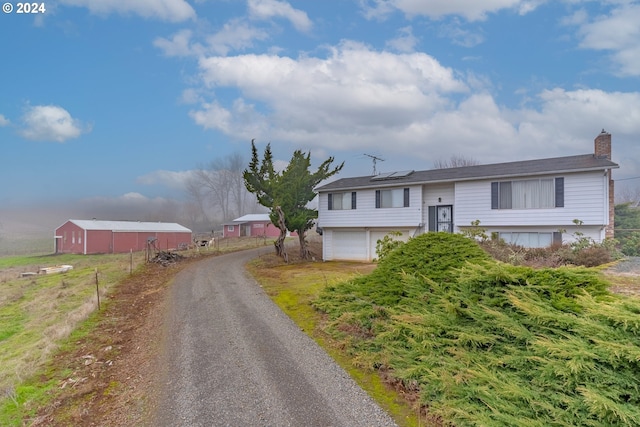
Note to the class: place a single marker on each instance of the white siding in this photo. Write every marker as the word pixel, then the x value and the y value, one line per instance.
pixel 367 215
pixel 585 196
pixel 437 195
pixel 357 244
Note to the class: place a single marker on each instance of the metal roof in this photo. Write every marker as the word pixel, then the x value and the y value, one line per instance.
pixel 251 218
pixel 580 163
pixel 132 226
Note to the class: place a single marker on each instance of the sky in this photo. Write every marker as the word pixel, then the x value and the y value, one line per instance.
pixel 118 101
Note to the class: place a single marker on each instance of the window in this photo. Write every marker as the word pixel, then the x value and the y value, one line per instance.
pixel 531 240
pixel 528 194
pixel 394 198
pixel 340 201
pixel 230 227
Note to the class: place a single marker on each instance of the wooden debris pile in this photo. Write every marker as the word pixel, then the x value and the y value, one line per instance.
pixel 166 258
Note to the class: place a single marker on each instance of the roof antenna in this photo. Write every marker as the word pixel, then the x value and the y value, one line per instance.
pixel 375 159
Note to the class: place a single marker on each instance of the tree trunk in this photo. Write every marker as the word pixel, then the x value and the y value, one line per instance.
pixel 305 253
pixel 281 251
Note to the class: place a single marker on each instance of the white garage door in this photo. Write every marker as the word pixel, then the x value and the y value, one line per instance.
pixel 351 245
pixel 379 235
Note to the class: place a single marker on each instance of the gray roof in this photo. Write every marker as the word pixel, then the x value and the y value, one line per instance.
pixel 580 163
pixel 94 224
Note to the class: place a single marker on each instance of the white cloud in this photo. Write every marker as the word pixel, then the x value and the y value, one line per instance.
pixel 353 88
pixel 179 44
pixel 234 35
pixel 4 121
pixel 405 42
pixel 618 32
pixel 266 9
pixel 471 10
pixel 407 108
pixel 165 10
pixel 50 123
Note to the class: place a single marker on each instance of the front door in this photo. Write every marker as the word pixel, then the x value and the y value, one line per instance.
pixel 441 218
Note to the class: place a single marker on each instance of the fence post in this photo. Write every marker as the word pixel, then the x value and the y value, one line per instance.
pixel 97 289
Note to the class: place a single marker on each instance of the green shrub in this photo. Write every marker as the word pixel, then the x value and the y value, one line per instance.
pixel 492 344
pixel 388 244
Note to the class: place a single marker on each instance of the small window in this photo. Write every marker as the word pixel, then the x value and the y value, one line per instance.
pixel 230 227
pixel 393 198
pixel 341 201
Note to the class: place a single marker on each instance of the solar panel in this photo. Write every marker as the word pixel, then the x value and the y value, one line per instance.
pixel 392 175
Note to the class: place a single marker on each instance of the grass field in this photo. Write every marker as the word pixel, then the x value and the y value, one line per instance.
pixel 36 312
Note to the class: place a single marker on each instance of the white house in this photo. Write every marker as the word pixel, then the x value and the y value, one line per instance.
pixel 532 203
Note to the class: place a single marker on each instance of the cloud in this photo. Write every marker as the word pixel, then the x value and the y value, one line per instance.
pixel 164 10
pixel 50 123
pixel 405 42
pixel 179 44
pixel 471 10
pixel 235 35
pixel 406 107
pixel 618 32
pixel 4 121
pixel 353 88
pixel 267 9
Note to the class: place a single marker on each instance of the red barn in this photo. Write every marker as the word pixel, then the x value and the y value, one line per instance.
pixel 109 237
pixel 251 225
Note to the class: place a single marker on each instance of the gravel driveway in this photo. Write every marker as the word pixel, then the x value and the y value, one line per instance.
pixel 232 358
pixel 629 265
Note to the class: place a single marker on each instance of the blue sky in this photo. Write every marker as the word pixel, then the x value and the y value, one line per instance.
pixel 121 101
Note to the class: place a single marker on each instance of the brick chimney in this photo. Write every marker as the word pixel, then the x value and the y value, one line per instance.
pixel 602 149
pixel 603 145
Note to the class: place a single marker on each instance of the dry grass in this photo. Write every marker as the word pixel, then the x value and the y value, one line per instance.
pixel 37 312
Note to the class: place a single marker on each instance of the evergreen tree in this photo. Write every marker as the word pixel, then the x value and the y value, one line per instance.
pixel 287 193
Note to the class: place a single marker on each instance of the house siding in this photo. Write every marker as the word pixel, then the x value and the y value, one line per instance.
pixel 367 215
pixel 583 200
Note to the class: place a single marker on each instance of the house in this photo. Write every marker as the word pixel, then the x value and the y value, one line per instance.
pixel 532 203
pixel 107 237
pixel 251 225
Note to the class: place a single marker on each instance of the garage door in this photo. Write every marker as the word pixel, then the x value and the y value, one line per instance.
pixel 351 245
pixel 379 235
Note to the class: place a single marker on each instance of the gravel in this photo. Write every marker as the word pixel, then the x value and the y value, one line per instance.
pixel 232 357
pixel 630 265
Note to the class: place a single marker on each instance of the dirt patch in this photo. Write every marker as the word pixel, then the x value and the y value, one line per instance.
pixel 110 372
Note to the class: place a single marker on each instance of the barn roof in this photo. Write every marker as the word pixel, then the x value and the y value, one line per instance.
pixel 251 218
pixel 132 226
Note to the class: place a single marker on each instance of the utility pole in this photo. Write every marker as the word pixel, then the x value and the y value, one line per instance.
pixel 375 159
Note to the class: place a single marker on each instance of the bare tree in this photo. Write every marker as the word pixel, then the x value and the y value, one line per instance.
pixel 626 193
pixel 219 189
pixel 455 161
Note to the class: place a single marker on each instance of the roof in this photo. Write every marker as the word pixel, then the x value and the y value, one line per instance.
pixel 251 218
pixel 580 163
pixel 119 226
